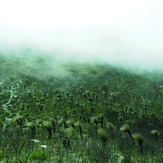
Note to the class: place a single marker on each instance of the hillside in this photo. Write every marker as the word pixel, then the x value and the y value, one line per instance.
pixel 80 112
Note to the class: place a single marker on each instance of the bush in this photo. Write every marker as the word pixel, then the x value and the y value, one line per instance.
pixel 38 155
pixel 1 155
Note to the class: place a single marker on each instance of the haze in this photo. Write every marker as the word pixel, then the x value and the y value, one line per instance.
pixel 127 33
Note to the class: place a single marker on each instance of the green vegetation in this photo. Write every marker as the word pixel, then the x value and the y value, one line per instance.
pixel 91 114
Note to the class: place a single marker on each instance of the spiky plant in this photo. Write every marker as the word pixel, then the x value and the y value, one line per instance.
pixel 101 119
pixel 94 120
pixel 49 127
pixel 69 133
pixel 32 127
pixel 53 124
pixel 110 127
pixel 126 128
pixel 140 139
pixel 18 119
pixel 93 125
pixel 120 119
pixel 103 135
pixel 79 125
pixel 155 133
pixel 62 121
pixel 130 121
pixel 70 122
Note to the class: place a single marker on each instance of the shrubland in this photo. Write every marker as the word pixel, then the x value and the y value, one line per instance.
pixel 92 113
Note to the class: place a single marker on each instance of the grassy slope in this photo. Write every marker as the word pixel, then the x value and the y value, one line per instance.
pixel 85 91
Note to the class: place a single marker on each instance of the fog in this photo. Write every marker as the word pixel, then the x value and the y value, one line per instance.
pixel 129 34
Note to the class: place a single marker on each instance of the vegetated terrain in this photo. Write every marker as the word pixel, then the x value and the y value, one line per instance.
pixel 92 114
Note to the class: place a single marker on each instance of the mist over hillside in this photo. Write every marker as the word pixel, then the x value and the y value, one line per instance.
pixel 134 50
pixel 124 34
pixel 127 35
pixel 81 81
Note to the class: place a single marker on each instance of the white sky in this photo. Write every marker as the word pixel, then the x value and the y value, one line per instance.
pixel 45 13
pixel 120 31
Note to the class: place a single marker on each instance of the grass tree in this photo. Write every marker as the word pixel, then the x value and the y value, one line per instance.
pixel 103 135
pixel 101 119
pixel 69 133
pixel 19 120
pixel 79 125
pixel 62 121
pixel 110 128
pixel 140 139
pixel 49 127
pixel 70 123
pixel 126 128
pixel 155 133
pixel 32 127
pixel 94 120
pixel 94 125
pixel 53 121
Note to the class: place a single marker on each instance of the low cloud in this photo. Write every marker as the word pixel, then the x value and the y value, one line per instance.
pixel 136 49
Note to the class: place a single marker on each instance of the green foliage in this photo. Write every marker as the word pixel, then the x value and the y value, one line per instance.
pixel 30 124
pixel 48 125
pixel 69 132
pixel 155 133
pixel 38 155
pixel 2 155
pixel 125 128
pixel 82 112
pixel 138 136
pixel 18 119
pixel 102 132
pixel 140 139
pixel 110 126
pixel 94 120
pixel 78 124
